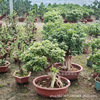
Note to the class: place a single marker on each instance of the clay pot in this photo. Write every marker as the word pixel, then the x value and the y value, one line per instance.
pixel 22 80
pixel 89 20
pixel 0 17
pixel 21 19
pixel 95 74
pixel 4 68
pixel 50 92
pixel 71 75
pixel 85 50
pixel 66 21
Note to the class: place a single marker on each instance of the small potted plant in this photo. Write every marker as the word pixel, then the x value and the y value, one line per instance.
pixel 22 75
pixel 4 65
pixel 43 55
pixel 95 46
pixel 95 58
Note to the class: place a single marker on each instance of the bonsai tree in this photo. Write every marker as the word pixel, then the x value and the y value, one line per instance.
pixel 52 16
pixel 94 29
pixel 30 28
pixel 95 58
pixel 95 44
pixel 70 38
pixel 74 15
pixel 43 55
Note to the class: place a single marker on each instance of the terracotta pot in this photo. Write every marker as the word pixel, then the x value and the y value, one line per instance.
pixel 22 80
pixel 71 75
pixel 65 21
pixel 16 59
pixel 89 20
pixel 21 19
pixel 85 50
pixel 50 92
pixel 0 17
pixel 35 20
pixel 4 68
pixel 95 74
pixel 0 24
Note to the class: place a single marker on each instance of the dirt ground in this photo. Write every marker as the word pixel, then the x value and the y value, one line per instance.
pixel 80 89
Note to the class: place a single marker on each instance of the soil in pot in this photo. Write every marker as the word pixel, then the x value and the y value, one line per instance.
pixel 71 69
pixel 46 82
pixel 98 79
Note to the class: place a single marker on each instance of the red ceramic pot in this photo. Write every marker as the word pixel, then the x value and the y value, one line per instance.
pixel 4 68
pixel 95 74
pixel 50 92
pixel 89 20
pixel 85 50
pixel 21 19
pixel 22 80
pixel 65 21
pixel 16 59
pixel 71 75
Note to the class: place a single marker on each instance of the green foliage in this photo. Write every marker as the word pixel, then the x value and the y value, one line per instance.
pixel 94 29
pixel 74 15
pixel 52 16
pixel 54 70
pixel 2 62
pixel 4 7
pixel 70 37
pixel 3 48
pixel 95 44
pixel 22 6
pixel 41 54
pixel 95 58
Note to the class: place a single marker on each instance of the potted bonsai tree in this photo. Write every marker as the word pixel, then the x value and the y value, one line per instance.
pixel 43 55
pixel 3 55
pixel 22 75
pixel 74 16
pixel 95 58
pixel 95 46
pixel 70 38
pixel 52 16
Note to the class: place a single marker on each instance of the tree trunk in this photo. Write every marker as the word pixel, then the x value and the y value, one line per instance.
pixel 21 71
pixel 67 62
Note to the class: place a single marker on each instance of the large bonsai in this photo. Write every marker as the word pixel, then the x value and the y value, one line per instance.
pixel 74 15
pixel 70 38
pixel 42 55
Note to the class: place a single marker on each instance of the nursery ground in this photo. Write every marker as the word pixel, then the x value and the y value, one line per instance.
pixel 80 89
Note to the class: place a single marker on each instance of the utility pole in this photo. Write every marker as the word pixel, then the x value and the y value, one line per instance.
pixel 11 6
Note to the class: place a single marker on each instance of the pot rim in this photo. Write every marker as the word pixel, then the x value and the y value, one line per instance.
pixel 81 68
pixel 44 88
pixel 96 80
pixel 21 77
pixel 8 63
